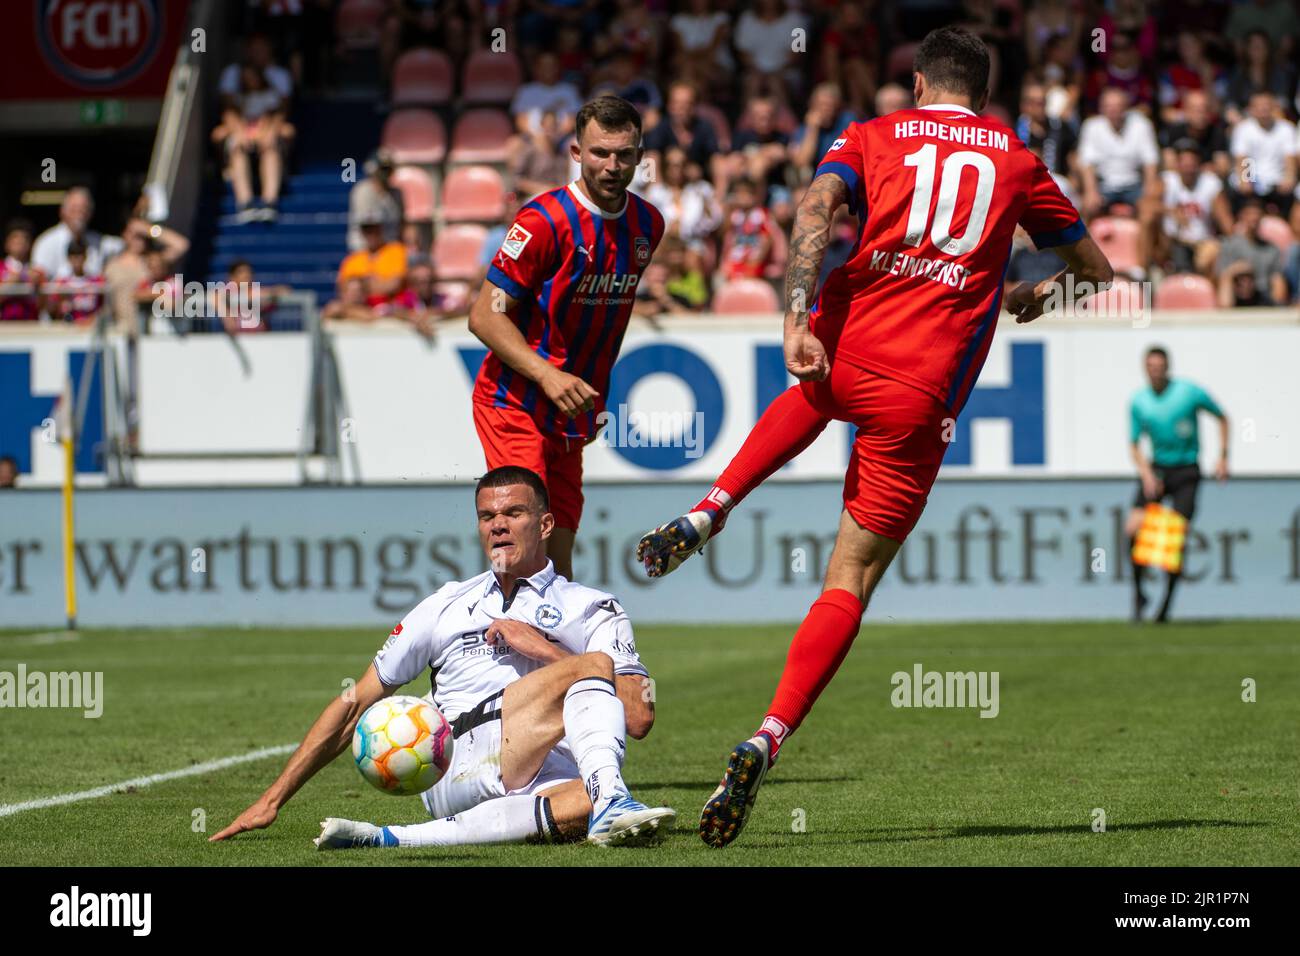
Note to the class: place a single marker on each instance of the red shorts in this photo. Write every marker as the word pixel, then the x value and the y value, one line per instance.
pixel 898 449
pixel 511 437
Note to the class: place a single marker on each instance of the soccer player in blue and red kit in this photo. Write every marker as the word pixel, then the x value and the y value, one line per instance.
pixel 893 343
pixel 553 311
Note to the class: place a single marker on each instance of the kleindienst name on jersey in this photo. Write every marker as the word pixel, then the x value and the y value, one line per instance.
pixel 900 264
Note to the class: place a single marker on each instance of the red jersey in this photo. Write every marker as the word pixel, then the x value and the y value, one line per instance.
pixel 574 269
pixel 939 192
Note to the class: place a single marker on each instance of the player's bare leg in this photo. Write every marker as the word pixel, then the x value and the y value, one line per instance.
pixel 559 548
pixel 1131 526
pixel 857 564
pixel 574 698
pixel 577 700
pixel 788 426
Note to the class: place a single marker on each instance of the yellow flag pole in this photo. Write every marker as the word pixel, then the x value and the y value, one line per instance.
pixel 66 426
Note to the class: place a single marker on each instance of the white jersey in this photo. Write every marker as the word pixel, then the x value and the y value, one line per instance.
pixel 446 633
pixel 1195 201
pixel 1267 150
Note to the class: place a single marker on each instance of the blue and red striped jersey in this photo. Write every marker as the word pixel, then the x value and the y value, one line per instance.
pixel 574 269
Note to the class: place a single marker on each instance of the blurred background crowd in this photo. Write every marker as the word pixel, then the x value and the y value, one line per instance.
pixel 373 151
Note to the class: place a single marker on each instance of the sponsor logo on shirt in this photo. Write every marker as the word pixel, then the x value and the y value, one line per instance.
pixel 515 240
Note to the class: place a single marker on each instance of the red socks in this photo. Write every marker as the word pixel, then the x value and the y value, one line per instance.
pixel 788 426
pixel 818 649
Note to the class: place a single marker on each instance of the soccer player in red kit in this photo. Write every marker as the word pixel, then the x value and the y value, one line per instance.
pixel 893 344
pixel 553 310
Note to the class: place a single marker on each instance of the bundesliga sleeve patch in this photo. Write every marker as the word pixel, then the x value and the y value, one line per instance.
pixel 838 144
pixel 515 240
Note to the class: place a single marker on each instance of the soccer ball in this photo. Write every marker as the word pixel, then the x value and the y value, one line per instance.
pixel 402 745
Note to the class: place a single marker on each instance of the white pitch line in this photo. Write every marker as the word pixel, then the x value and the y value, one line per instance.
pixel 46 637
pixel 198 769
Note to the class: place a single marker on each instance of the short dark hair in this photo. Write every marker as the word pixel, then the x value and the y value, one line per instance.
pixel 76 247
pixel 1157 350
pixel 955 60
pixel 19 225
pixel 515 475
pixel 611 112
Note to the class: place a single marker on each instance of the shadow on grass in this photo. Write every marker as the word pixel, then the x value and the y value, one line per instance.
pixel 704 783
pixel 915 834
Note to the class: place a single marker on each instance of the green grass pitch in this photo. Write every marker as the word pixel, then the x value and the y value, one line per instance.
pixel 1147 724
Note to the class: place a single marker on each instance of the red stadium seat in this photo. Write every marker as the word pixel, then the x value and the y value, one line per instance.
pixel 415 136
pixel 479 136
pixel 1185 291
pixel 416 187
pixel 456 295
pixel 1118 238
pixel 490 78
pixel 474 193
pixel 899 64
pixel 423 77
pixel 357 23
pixel 456 251
pixel 1123 300
pixel 1276 231
pixel 721 128
pixel 746 297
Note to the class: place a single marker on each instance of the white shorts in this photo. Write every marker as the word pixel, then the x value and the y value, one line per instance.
pixel 475 771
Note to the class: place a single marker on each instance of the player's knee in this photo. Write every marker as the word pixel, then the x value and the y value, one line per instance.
pixel 640 722
pixel 595 664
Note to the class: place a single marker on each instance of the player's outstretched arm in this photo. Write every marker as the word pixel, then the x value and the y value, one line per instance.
pixel 1083 259
pixel 805 358
pixel 489 319
pixel 328 737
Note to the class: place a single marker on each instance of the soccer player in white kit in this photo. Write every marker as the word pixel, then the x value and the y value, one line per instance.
pixel 540 679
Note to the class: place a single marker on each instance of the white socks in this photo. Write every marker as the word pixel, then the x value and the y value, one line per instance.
pixel 595 727
pixel 503 820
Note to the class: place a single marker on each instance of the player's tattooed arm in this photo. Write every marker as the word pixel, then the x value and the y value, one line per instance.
pixel 808 242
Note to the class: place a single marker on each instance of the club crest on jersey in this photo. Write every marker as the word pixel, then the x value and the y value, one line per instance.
pixel 548 615
pixel 515 240
pixel 642 246
pixel 838 144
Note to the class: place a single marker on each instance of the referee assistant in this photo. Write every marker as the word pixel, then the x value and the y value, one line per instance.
pixel 1166 412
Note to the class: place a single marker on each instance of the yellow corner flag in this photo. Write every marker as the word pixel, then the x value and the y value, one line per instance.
pixel 65 425
pixel 1159 542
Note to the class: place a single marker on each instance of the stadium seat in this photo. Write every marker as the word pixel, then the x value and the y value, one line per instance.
pixel 423 77
pixel 1276 231
pixel 456 295
pixel 490 78
pixel 1123 300
pixel 899 65
pixel 416 187
pixel 721 128
pixel 1185 291
pixel 1118 238
pixel 456 251
pixel 415 136
pixel 474 193
pixel 479 136
pixel 746 297
pixel 357 23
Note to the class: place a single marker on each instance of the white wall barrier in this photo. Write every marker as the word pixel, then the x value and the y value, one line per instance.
pixel 1052 400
